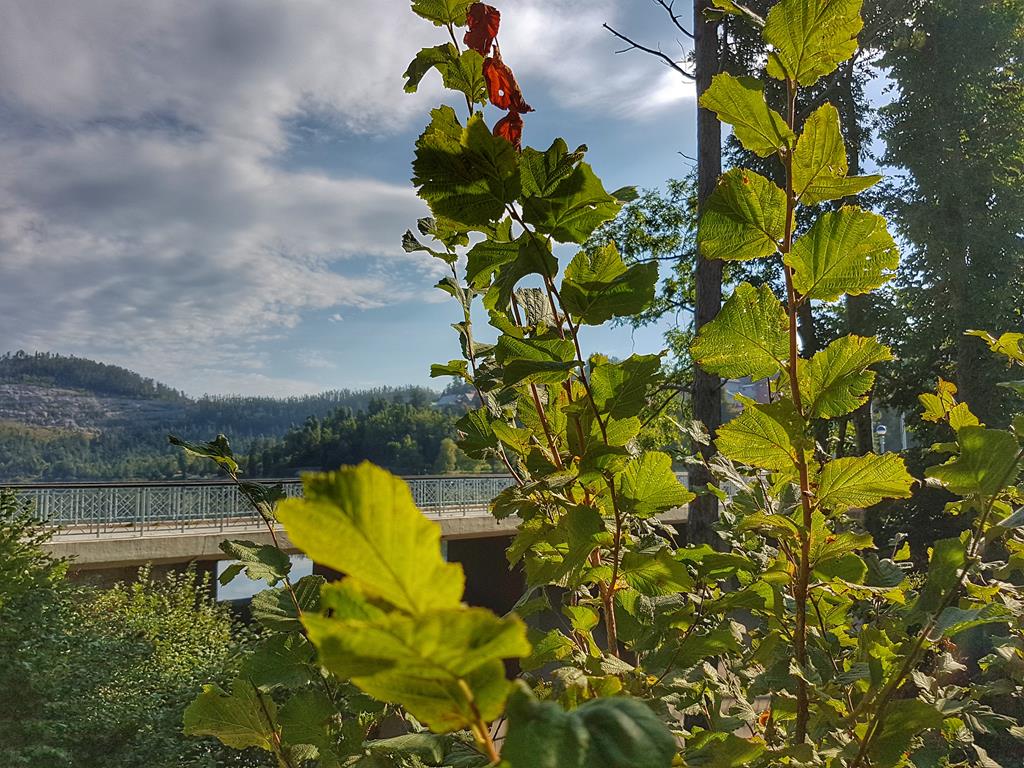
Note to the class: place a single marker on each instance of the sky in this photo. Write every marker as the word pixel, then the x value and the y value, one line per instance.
pixel 213 192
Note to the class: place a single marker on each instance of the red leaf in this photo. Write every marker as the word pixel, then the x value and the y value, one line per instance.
pixel 482 21
pixel 502 87
pixel 510 127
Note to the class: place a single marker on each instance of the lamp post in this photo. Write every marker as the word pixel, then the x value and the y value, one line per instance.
pixel 881 431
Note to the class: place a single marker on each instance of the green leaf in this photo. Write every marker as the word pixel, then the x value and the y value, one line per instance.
pixel 534 258
pixel 766 436
pixel 648 486
pixel 305 719
pixel 809 38
pixel 544 171
pixel 465 73
pixel 218 449
pixel 820 164
pixel 1011 345
pixel 847 251
pixel 439 56
pixel 988 460
pixel 476 436
pixel 740 102
pixel 905 719
pixel 655 574
pixel 259 561
pixel 748 337
pixel 540 360
pixel 282 659
pixel 743 219
pixel 948 558
pixel 486 257
pixel 362 521
pixel 442 12
pixel 952 621
pixel 275 608
pixel 723 750
pixel 239 720
pixel 571 211
pixel 442 666
pixel 861 481
pixel 620 389
pixel 599 286
pixel 836 380
pixel 466 175
pixel 615 732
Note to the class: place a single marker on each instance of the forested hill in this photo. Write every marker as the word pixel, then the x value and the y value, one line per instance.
pixel 65 418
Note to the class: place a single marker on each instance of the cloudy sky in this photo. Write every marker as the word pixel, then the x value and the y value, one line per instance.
pixel 213 192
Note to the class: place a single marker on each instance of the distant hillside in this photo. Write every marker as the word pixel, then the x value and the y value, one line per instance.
pixel 64 418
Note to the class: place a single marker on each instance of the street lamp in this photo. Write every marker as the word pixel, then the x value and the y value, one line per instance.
pixel 881 431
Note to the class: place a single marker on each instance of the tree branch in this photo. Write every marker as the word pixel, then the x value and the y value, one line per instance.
pixel 674 16
pixel 656 52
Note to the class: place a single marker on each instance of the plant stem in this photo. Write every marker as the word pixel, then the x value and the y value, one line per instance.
pixel 804 565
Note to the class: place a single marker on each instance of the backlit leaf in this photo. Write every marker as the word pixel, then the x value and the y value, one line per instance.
pixel 820 165
pixel 599 286
pixel 259 561
pixel 655 574
pixel 545 360
pixel 836 380
pixel 849 251
pixel 648 486
pixel 1011 345
pixel 442 12
pixel 766 436
pixel 809 38
pixel 744 218
pixel 748 337
pixel 987 461
pixel 620 389
pixel 239 719
pixel 275 608
pixel 571 211
pixel 740 102
pixel 860 481
pixel 362 521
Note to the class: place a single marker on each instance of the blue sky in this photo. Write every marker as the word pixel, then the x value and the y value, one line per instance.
pixel 213 192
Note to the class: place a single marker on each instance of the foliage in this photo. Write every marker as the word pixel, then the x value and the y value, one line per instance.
pixel 100 677
pixel 796 644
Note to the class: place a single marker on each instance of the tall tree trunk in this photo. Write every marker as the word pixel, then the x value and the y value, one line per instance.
pixel 707 403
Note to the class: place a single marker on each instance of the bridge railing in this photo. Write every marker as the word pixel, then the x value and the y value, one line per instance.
pixel 140 509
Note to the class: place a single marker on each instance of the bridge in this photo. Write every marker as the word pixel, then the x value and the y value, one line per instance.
pixel 110 529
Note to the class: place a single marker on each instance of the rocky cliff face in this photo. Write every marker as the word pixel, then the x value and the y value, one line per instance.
pixel 71 409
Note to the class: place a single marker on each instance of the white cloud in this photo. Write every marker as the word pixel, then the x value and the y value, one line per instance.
pixel 147 214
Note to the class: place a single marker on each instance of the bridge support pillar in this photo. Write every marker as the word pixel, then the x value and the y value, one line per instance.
pixel 490 583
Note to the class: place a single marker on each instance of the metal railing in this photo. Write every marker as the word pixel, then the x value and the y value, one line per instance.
pixel 152 508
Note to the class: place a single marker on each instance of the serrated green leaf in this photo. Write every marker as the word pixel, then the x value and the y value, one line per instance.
pixel 428 58
pixel 261 562
pixel 362 521
pixel 948 557
pixel 443 666
pixel 809 38
pixel 476 436
pixel 743 219
pixel 571 211
pixel 655 574
pixel 952 621
pixel 543 171
pixel 904 720
pixel 466 175
pixel 620 389
pixel 218 449
pixel 748 337
pixel 740 102
pixel 849 251
pixel 648 486
pixel 240 719
pixel 988 460
pixel 615 732
pixel 766 436
pixel 820 165
pixel 543 360
pixel 533 258
pixel 275 608
pixel 442 12
pixel 1010 345
pixel 860 481
pixel 599 286
pixel 722 750
pixel 465 73
pixel 305 719
pixel 279 660
pixel 486 257
pixel 836 380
